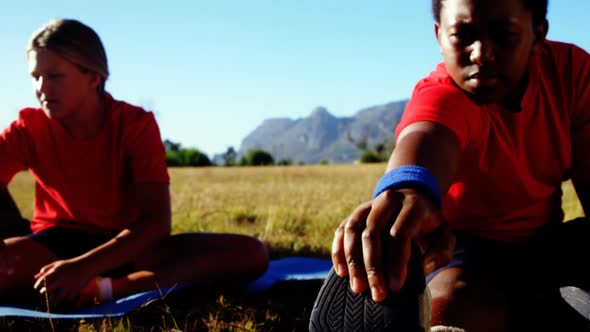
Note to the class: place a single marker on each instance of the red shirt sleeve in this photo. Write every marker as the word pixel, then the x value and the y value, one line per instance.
pixel 580 71
pixel 145 154
pixel 436 99
pixel 14 151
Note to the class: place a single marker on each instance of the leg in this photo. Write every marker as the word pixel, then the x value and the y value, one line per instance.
pixel 568 259
pixel 502 287
pixel 469 302
pixel 199 258
pixel 29 257
pixel 570 254
pixel 11 221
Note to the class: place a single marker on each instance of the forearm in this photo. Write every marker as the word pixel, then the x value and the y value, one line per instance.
pixel 126 246
pixel 153 225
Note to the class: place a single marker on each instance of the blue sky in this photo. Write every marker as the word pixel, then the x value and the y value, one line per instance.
pixel 214 70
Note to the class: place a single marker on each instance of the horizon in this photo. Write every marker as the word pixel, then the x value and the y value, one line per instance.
pixel 213 72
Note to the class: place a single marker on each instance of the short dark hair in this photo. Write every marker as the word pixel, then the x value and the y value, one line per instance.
pixel 537 7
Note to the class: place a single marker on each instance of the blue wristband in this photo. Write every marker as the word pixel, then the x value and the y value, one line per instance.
pixel 409 176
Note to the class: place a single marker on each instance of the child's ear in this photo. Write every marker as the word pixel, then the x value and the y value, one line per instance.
pixel 95 79
pixel 437 34
pixel 541 30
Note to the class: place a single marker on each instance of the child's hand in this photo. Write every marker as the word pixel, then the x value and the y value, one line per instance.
pixel 62 280
pixel 373 244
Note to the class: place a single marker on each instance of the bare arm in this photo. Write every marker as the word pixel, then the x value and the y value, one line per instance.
pixel 153 225
pixel 65 278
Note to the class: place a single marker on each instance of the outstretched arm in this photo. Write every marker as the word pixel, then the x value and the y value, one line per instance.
pixel 153 225
pixel 389 223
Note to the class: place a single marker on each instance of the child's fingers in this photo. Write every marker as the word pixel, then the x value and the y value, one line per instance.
pixel 375 237
pixel 398 252
pixel 338 256
pixel 353 249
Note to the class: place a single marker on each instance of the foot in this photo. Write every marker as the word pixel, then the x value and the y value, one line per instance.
pixel 98 290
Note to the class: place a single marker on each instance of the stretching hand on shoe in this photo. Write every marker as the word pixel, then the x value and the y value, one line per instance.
pixel 373 244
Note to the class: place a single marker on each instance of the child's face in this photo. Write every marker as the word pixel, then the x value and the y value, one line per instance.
pixel 60 86
pixel 486 45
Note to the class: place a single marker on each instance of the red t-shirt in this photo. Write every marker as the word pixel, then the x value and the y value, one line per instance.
pixel 508 184
pixel 85 184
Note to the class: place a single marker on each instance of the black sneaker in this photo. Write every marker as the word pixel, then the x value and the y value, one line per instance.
pixel 337 308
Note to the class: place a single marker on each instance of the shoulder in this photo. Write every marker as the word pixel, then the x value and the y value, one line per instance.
pixel 437 99
pixel 130 121
pixel 438 86
pixel 563 70
pixel 126 113
pixel 31 118
pixel 565 58
pixel 561 51
pixel 437 92
pixel 31 114
pixel 132 124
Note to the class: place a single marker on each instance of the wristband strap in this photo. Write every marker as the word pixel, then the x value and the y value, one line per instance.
pixel 105 289
pixel 409 176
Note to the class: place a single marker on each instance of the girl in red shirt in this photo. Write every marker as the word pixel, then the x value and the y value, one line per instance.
pixel 101 224
pixel 475 181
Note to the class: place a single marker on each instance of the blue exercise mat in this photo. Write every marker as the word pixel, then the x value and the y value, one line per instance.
pixel 292 268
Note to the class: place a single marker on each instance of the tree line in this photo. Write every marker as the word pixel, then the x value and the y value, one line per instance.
pixel 176 155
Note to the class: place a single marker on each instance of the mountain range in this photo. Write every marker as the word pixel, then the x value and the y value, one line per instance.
pixel 322 136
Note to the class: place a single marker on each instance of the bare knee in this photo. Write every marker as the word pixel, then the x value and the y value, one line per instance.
pixel 253 251
pixel 23 257
pixel 469 303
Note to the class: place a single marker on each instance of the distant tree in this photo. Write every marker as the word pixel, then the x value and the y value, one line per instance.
pixel 285 162
pixel 186 157
pixel 371 156
pixel 257 157
pixel 173 158
pixel 230 157
pixel 362 141
pixel 379 153
pixel 171 146
pixel 381 148
pixel 324 162
pixel 194 157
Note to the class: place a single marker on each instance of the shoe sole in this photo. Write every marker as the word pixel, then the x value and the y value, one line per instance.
pixel 577 299
pixel 338 308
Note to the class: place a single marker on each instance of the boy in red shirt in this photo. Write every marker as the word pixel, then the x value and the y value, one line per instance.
pixel 101 223
pixel 475 181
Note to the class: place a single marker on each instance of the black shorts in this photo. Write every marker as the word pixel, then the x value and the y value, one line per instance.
pixel 559 259
pixel 67 243
pixel 533 275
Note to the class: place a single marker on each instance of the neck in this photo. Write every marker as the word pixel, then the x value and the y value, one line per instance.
pixel 512 101
pixel 89 121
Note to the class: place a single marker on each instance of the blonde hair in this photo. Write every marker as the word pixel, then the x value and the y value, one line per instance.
pixel 75 42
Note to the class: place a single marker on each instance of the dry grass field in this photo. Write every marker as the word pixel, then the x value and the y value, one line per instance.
pixel 293 209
